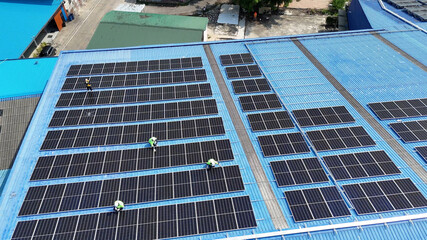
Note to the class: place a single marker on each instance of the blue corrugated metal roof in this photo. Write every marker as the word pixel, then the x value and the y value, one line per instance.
pixel 4 173
pixel 25 77
pixel 369 69
pixel 21 22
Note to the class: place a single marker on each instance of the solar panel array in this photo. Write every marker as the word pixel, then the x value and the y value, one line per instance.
pixel 93 163
pixel 340 138
pixel 400 109
pixel 141 79
pixel 148 188
pixel 133 113
pixel 422 151
pixel 250 86
pixel 84 137
pixel 360 165
pixel 260 102
pixel 270 121
pixel 384 196
pixel 322 116
pixel 316 203
pixel 414 131
pixel 283 144
pixel 236 59
pixel 140 66
pixel 246 71
pixel 133 95
pixel 298 171
pixel 146 223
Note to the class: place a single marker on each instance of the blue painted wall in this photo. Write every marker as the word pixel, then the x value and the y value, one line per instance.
pixel 356 17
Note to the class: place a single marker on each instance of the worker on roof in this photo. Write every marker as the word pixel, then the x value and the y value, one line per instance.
pixel 212 163
pixel 153 143
pixel 118 205
pixel 88 85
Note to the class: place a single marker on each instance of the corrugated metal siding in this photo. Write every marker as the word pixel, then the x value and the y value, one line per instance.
pixel 17 115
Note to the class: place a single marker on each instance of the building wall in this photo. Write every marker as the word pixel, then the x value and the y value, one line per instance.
pixel 356 17
pixel 16 116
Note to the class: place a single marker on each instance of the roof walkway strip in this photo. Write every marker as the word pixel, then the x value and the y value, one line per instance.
pixel 267 193
pixel 413 164
pixel 400 51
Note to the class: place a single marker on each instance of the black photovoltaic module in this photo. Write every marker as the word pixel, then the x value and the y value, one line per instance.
pixel 283 144
pixel 134 95
pixel 340 138
pixel 384 196
pixel 93 163
pixel 246 71
pixel 322 116
pixel 414 131
pixel 167 221
pixel 250 86
pixel 133 113
pixel 128 134
pixel 400 109
pixel 137 66
pixel 316 203
pixel 260 102
pixel 360 165
pixel 236 59
pixel 148 188
pixel 270 121
pixel 422 151
pixel 130 80
pixel 298 171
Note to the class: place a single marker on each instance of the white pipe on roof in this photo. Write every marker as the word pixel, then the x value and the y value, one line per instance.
pixel 401 18
pixel 332 227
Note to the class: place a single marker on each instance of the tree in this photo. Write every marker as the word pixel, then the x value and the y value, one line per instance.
pixel 337 5
pixel 254 5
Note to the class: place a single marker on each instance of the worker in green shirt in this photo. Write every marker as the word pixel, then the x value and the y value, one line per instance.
pixel 212 163
pixel 153 143
pixel 118 205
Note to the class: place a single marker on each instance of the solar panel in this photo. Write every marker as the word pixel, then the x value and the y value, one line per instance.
pixel 360 165
pixel 414 131
pixel 167 221
pixel 270 121
pixel 400 109
pixel 140 66
pixel 142 79
pixel 316 203
pixel 298 171
pixel 260 102
pixel 93 163
pixel 250 86
pixel 422 151
pixel 148 188
pixel 384 196
pixel 283 144
pixel 133 95
pixel 322 116
pixel 236 59
pixel 113 135
pixel 133 113
pixel 246 71
pixel 340 138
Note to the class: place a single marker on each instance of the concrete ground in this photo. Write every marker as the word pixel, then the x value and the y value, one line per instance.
pixel 292 22
pixel 77 33
pixel 313 4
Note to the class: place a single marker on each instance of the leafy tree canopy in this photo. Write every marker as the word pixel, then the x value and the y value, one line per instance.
pixel 254 5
